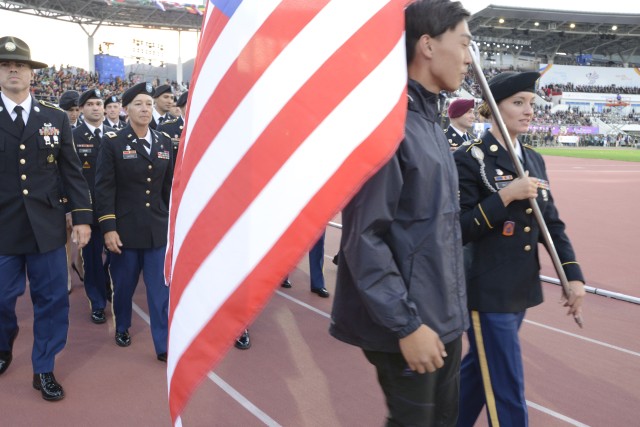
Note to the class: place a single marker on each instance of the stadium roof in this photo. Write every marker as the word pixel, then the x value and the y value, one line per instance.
pixel 118 13
pixel 544 34
pixel 614 36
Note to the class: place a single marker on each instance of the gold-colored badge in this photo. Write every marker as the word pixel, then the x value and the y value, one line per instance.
pixel 493 148
pixel 10 46
pixel 50 158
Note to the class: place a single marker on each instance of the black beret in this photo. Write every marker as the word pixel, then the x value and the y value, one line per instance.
pixel 110 100
pixel 162 89
pixel 136 90
pixel 182 100
pixel 509 83
pixel 68 100
pixel 90 94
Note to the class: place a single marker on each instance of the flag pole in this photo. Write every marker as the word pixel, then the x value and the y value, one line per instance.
pixel 544 230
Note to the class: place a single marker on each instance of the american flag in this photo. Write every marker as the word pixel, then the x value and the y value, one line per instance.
pixel 294 105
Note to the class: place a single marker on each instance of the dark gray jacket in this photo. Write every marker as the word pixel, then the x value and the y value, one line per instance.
pixel 401 262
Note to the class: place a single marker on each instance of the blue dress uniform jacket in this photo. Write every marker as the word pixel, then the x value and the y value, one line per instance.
pixel 501 243
pixel 87 147
pixel 454 138
pixel 32 213
pixel 173 128
pixel 401 262
pixel 139 209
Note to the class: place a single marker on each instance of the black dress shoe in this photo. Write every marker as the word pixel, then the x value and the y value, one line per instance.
pixel 286 283
pixel 162 357
pixel 7 356
pixel 321 292
pixel 5 360
pixel 97 316
pixel 48 386
pixel 243 342
pixel 123 339
pixel 73 266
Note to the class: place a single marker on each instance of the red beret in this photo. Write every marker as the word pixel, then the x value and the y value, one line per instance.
pixel 460 106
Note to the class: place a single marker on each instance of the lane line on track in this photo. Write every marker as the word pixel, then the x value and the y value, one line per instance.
pixel 556 414
pixel 529 403
pixel 591 340
pixel 226 387
pixel 246 403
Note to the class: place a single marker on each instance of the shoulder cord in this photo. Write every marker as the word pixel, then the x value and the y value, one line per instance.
pixel 477 154
pixel 484 177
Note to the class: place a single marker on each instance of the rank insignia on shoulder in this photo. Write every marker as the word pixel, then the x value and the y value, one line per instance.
pixel 111 134
pixel 50 105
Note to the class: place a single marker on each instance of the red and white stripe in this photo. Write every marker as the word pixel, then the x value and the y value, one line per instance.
pixel 295 104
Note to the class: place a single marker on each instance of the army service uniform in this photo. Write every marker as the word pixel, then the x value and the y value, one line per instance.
pixel 454 138
pixel 33 225
pixel 502 272
pixel 132 198
pixel 173 128
pixel 95 277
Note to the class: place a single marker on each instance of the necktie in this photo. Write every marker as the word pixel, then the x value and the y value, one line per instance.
pixel 146 145
pixel 96 132
pixel 161 120
pixel 19 121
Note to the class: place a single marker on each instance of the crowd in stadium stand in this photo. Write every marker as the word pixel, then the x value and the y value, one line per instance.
pixel 572 116
pixel 610 89
pixel 49 83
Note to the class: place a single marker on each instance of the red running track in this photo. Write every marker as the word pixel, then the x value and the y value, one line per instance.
pixel 295 374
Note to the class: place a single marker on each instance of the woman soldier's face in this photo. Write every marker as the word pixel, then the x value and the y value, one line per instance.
pixel 517 112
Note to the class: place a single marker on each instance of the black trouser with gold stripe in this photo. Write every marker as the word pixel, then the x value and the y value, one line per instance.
pixel 491 373
pixel 419 400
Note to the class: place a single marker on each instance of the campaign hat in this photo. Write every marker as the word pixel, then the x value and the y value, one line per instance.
pixel 14 49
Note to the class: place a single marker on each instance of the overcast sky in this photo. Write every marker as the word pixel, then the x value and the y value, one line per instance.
pixel 56 42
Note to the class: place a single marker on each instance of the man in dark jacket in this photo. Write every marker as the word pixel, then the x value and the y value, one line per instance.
pixel 400 292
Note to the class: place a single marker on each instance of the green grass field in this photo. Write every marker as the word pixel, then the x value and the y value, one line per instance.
pixel 622 154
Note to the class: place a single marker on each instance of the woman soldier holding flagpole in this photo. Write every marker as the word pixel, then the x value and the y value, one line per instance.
pixel 501 253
